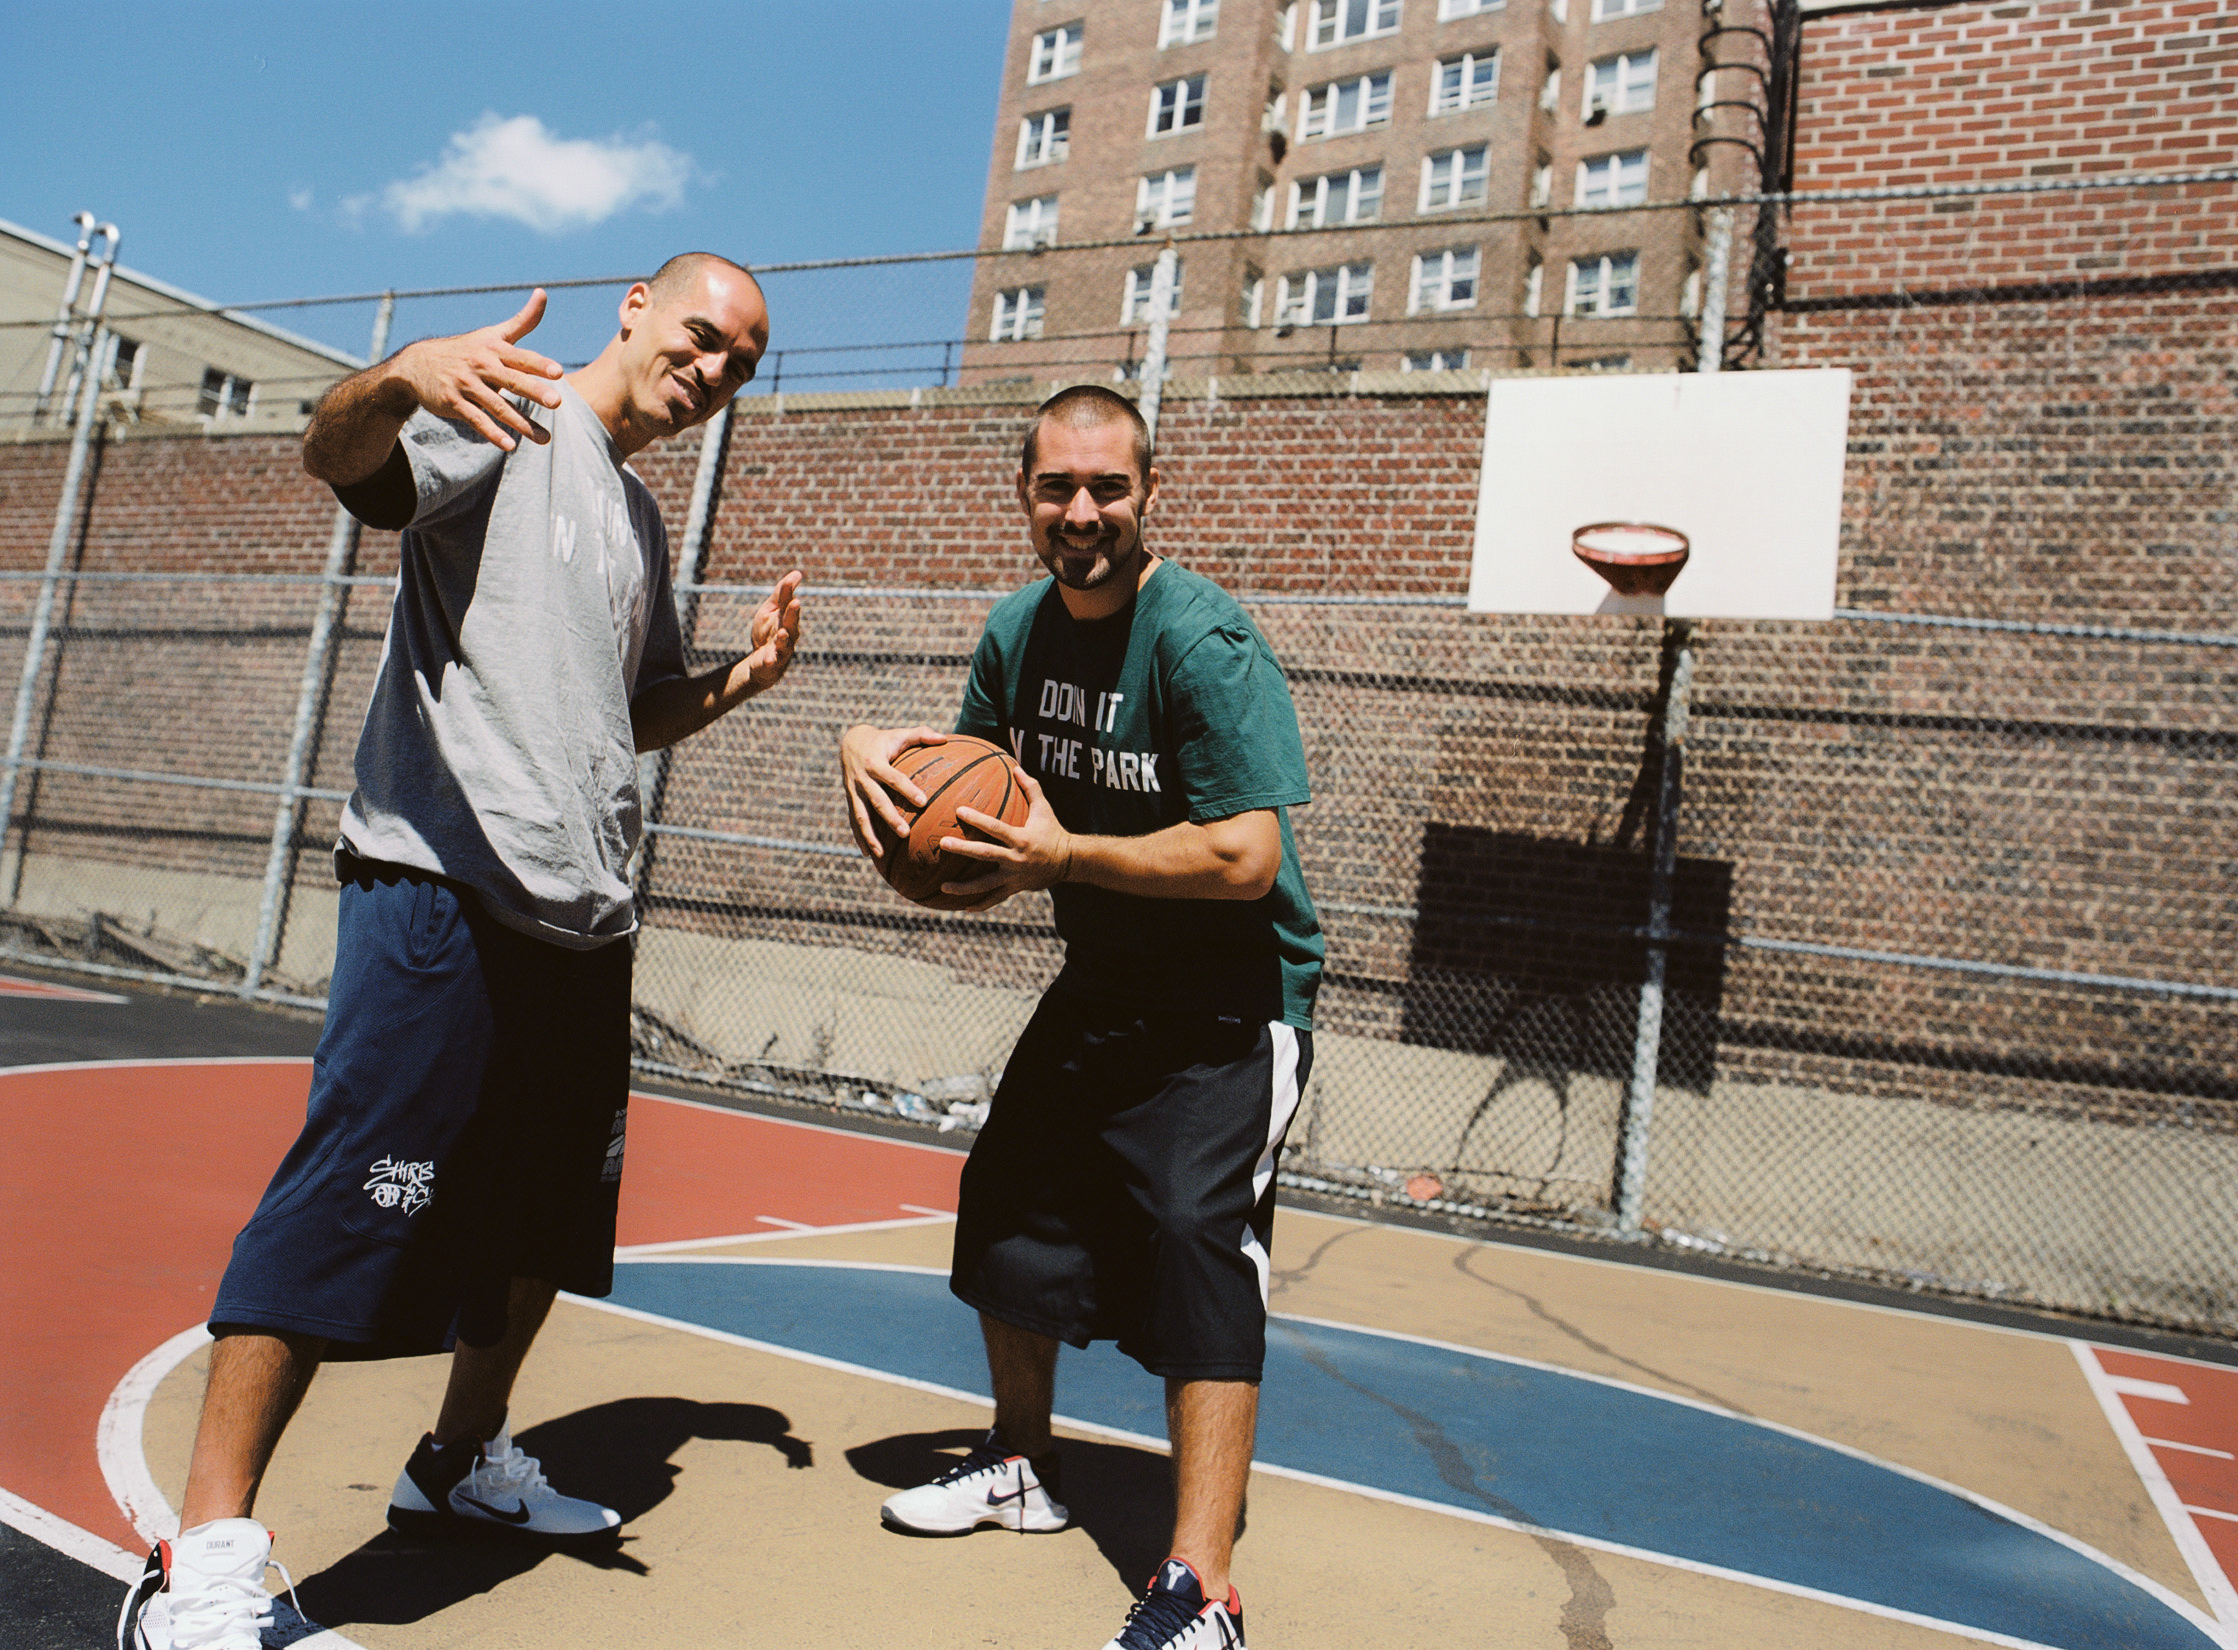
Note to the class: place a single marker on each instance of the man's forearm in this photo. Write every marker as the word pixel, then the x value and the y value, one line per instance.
pixel 676 709
pixel 356 426
pixel 1230 859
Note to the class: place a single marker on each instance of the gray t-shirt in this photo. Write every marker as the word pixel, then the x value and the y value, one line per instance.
pixel 533 605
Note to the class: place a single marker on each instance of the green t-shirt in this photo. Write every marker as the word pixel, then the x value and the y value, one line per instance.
pixel 1172 710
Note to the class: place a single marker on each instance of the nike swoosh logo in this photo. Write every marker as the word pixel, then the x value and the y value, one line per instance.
pixel 519 1514
pixel 994 1500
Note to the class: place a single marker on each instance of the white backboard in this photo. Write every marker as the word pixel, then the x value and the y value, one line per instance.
pixel 1748 465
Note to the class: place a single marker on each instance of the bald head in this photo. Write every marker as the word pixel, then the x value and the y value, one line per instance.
pixel 676 277
pixel 1088 407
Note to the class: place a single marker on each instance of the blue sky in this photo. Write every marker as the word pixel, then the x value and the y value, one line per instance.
pixel 255 151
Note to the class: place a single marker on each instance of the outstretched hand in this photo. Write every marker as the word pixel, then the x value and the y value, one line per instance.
pixel 467 378
pixel 775 632
pixel 1018 858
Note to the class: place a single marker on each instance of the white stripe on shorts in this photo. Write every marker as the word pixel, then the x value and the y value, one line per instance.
pixel 1284 1108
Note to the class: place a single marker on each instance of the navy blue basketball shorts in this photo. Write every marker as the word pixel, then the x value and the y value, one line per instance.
pixel 1123 1187
pixel 469 1100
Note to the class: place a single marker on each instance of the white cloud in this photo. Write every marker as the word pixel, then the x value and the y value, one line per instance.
pixel 520 169
pixel 300 199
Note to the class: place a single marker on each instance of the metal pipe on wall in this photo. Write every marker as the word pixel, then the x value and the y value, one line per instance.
pixel 65 316
pixel 279 861
pixel 85 370
pixel 1162 281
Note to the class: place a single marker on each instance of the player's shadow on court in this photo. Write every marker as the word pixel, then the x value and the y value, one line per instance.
pixel 1120 1495
pixel 617 1453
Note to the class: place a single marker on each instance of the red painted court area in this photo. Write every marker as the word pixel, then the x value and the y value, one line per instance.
pixel 122 1185
pixel 2188 1413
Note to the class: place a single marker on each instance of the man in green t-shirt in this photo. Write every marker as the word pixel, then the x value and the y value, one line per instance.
pixel 1123 1187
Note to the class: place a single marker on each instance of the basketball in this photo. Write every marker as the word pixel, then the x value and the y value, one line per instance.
pixel 963 773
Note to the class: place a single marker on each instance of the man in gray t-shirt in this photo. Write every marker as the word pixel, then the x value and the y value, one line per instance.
pixel 462 1152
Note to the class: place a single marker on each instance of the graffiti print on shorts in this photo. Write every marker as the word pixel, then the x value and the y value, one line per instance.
pixel 398 1185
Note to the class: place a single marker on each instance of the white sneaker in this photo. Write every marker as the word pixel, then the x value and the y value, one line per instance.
pixel 204 1591
pixel 991 1485
pixel 1174 1614
pixel 498 1489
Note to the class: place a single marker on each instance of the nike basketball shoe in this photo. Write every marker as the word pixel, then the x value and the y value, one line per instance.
pixel 498 1489
pixel 204 1591
pixel 992 1485
pixel 1174 1614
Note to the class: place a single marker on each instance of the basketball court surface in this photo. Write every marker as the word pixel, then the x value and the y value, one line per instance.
pixel 1462 1443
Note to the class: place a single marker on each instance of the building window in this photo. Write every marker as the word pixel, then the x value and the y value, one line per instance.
pixel 1188 21
pixel 1346 106
pixel 1254 296
pixel 1044 137
pixel 1464 82
pixel 1031 223
pixel 1534 287
pixel 1603 10
pixel 1699 189
pixel 1286 26
pixel 1550 90
pixel 1017 315
pixel 224 395
pixel 1262 204
pixel 1135 306
pixel 1336 22
pixel 128 363
pixel 1164 199
pixel 1443 280
pixel 1340 197
pixel 1607 285
pixel 1434 360
pixel 1177 106
pixel 1613 180
pixel 1448 10
pixel 1621 85
pixel 1325 297
pixel 1453 177
pixel 1542 182
pixel 1603 363
pixel 1056 54
pixel 1690 295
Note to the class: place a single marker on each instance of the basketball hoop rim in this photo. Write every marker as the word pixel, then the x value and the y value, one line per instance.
pixel 1677 543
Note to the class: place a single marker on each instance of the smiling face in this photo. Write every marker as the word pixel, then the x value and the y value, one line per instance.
pixel 688 344
pixel 1085 504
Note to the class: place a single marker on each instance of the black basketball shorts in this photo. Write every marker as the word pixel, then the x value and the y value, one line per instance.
pixel 1123 1187
pixel 468 1106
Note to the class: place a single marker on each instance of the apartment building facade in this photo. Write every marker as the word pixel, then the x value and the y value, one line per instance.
pixel 1352 183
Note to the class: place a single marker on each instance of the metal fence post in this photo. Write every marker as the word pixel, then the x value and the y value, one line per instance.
pixel 652 767
pixel 1637 1119
pixel 1717 270
pixel 1154 352
pixel 279 861
pixel 42 615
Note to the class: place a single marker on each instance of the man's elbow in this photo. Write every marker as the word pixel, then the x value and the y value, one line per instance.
pixel 1252 861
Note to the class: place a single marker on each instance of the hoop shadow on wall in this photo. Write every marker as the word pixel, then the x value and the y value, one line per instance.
pixel 1528 951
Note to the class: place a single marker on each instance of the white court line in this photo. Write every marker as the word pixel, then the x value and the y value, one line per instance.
pixel 1122 1435
pixel 2160 1392
pixel 2211 1512
pixel 118 1443
pixel 66 1538
pixel 2206 1573
pixel 635 1251
pixel 787 1225
pixel 2191 1449
pixel 920 1209
pixel 181 1060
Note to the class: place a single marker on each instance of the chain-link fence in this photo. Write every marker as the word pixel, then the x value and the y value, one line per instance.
pixel 1944 945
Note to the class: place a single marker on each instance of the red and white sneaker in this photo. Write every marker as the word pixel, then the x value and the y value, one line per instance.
pixel 204 1591
pixel 1174 1614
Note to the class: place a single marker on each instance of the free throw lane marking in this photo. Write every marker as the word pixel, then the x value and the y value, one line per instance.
pixel 14 985
pixel 1528 1447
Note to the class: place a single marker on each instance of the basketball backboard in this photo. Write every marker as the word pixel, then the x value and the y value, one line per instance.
pixel 1594 488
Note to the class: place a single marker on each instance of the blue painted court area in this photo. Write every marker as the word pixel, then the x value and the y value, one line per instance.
pixel 1513 1441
